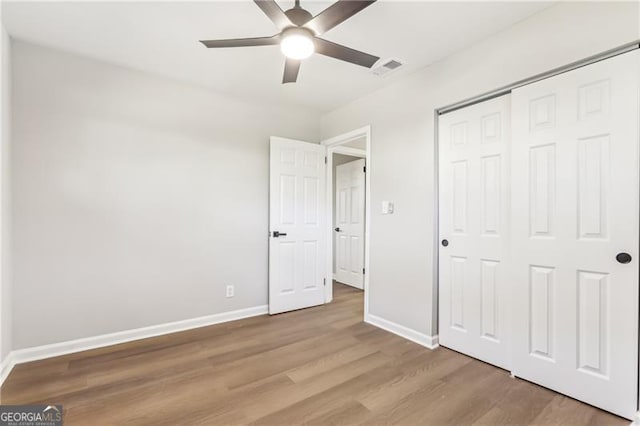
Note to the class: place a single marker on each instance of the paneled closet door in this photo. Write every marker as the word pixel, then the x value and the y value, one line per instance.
pixel 575 233
pixel 473 167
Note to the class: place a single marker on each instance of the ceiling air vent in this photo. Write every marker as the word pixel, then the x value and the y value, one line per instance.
pixel 387 66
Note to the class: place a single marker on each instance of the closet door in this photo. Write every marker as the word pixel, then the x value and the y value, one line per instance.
pixel 473 168
pixel 575 233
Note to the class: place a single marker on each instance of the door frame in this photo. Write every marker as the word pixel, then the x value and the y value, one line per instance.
pixel 334 145
pixel 500 91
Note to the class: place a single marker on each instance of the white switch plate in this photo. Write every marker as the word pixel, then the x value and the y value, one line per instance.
pixel 230 291
pixel 387 207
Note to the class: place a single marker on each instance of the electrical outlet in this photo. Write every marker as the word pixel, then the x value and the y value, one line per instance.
pixel 230 291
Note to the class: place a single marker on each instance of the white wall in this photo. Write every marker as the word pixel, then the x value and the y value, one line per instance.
pixel 137 199
pixel 5 218
pixel 402 286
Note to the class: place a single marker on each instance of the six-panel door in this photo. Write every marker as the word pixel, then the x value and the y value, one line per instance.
pixel 296 225
pixel 575 208
pixel 349 231
pixel 474 230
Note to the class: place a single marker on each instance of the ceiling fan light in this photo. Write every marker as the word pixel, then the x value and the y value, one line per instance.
pixel 297 45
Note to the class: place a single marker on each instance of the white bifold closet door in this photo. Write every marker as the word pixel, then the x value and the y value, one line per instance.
pixel 474 230
pixel 575 215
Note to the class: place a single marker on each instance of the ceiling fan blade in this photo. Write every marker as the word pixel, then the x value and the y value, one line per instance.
pixel 273 11
pixel 291 68
pixel 336 14
pixel 344 53
pixel 242 42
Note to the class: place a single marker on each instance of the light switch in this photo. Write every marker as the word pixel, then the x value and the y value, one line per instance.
pixel 387 207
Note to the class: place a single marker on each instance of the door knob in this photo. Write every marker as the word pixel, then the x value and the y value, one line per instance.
pixel 623 257
pixel 277 234
pixel 337 229
pixel 445 243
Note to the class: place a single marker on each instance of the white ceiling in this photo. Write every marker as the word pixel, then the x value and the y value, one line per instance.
pixel 162 37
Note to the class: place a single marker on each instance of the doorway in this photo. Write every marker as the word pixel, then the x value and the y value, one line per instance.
pixel 348 219
pixel 348 210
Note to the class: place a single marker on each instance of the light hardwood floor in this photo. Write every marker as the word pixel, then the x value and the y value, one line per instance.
pixel 320 365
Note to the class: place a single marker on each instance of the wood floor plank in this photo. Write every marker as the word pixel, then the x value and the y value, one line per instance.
pixel 511 410
pixel 349 413
pixel 318 366
pixel 427 369
pixel 314 386
pixel 566 411
pixel 330 362
pixel 327 398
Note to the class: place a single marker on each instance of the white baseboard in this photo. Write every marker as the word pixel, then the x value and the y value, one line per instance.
pixel 636 420
pixel 425 340
pixel 6 366
pixel 63 348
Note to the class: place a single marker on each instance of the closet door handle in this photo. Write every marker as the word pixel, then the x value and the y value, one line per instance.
pixel 623 258
pixel 445 243
pixel 277 234
pixel 337 229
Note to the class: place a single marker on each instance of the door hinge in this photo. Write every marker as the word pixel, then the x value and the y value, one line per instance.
pixel 364 169
pixel 362 271
pixel 325 159
pixel 324 281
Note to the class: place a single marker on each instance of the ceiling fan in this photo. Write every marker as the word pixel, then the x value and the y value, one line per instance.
pixel 299 34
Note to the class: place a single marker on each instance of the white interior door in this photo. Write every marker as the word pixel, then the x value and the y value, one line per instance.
pixel 349 230
pixel 575 209
pixel 473 167
pixel 297 235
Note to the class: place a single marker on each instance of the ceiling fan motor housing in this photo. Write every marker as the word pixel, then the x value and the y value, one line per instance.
pixel 298 16
pixel 305 32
